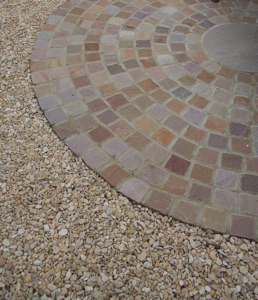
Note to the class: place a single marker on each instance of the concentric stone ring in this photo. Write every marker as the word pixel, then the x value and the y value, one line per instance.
pixel 130 88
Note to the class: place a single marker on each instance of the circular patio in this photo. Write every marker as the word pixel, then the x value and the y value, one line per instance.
pixel 136 92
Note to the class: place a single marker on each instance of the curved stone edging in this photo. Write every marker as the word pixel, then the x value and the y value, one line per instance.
pixel 130 89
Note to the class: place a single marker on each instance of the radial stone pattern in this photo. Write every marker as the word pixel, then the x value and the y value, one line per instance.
pixel 130 89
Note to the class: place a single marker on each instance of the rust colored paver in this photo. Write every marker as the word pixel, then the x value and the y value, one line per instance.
pixel 131 90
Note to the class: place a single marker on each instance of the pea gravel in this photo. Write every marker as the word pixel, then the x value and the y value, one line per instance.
pixel 66 234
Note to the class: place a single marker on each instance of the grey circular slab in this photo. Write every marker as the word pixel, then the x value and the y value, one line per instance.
pixel 234 45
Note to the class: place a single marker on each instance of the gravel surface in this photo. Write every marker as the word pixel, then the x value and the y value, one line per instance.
pixel 66 234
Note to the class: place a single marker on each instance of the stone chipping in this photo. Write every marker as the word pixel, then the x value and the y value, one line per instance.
pixel 67 234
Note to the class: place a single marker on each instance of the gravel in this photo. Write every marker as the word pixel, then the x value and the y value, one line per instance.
pixel 66 234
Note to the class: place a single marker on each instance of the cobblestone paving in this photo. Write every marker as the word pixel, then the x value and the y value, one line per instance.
pixel 129 88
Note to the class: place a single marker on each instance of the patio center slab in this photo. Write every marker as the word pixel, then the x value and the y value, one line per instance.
pixel 138 90
pixel 234 45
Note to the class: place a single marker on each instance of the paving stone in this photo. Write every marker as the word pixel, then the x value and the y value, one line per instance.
pixel 241 145
pixel 193 115
pixel 168 83
pixel 184 147
pixel 122 80
pixel 192 67
pixel 121 128
pixel 110 59
pixel 132 91
pixel 186 212
pixel 148 85
pixel 202 173
pixel 248 204
pixel 254 130
pixel 252 164
pixel 207 156
pixel 249 183
pixel 195 134
pixel 48 101
pixel 95 158
pixel 217 141
pixel 68 96
pixel 77 70
pixel 219 110
pixel 81 81
pixel 100 134
pixel 89 93
pixel 221 96
pixel 187 80
pixel 200 193
pixel 177 165
pixel 176 185
pixel 214 219
pixel 40 77
pixel 145 52
pixel 107 117
pixel 107 89
pixel 65 130
pixel 38 66
pixel 97 105
pixel 156 153
pixel 163 136
pixel 160 95
pixel 137 74
pixel 135 189
pixel 255 117
pixel 152 174
pixel 176 105
pixel 215 123
pixel 226 179
pixel 145 124
pixel 148 62
pixel 113 174
pixel 79 144
pixel 243 89
pixel 199 56
pixel 160 202
pixel 199 101
pixel 73 59
pixel 132 159
pixel 91 47
pixel 85 122
pixel 240 115
pixel 62 84
pixel 143 102
pixel 130 112
pixel 231 161
pixel 223 83
pixel 242 226
pixel 238 129
pixel 137 140
pixel 165 59
pixel 174 71
pixel 95 67
pixel 206 77
pixel 203 89
pixel 157 112
pixel 115 147
pixel 56 115
pixel 242 102
pixel 175 123
pixel 225 200
pixel 115 69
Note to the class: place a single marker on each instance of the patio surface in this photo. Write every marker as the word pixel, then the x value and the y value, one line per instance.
pixel 131 89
